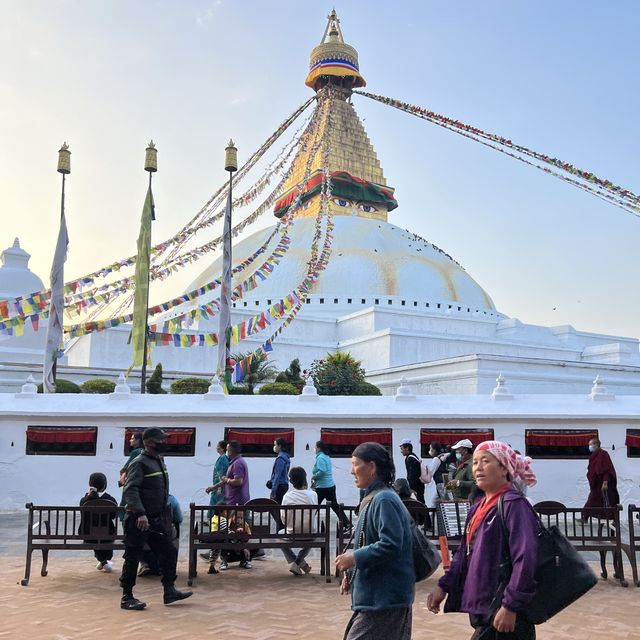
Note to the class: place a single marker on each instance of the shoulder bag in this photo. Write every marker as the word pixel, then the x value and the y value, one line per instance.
pixel 562 575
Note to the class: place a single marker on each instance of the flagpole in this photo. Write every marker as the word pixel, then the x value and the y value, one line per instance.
pixel 56 301
pixel 224 327
pixel 150 165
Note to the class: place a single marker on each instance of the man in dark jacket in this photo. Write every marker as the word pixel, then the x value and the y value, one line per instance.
pixel 148 520
pixel 413 465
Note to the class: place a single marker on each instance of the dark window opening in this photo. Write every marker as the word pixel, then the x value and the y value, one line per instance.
pixel 559 443
pixel 342 442
pixel 61 441
pixel 632 442
pixel 257 442
pixel 181 440
pixel 447 437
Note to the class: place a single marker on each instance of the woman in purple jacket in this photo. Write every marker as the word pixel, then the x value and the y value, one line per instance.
pixel 475 581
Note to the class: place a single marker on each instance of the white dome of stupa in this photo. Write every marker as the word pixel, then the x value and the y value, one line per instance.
pixel 16 279
pixel 372 262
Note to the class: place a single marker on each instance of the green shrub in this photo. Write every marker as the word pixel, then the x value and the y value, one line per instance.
pixel 190 385
pixel 64 386
pixel 240 390
pixel 338 374
pixel 154 383
pixel 278 389
pixel 98 385
pixel 366 389
pixel 292 375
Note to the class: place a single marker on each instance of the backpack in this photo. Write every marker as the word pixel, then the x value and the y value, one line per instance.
pixel 425 473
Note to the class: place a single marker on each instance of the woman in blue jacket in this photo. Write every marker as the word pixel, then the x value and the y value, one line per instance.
pixel 323 484
pixel 379 572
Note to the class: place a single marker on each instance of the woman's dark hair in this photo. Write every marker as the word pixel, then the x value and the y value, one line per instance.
pixel 98 480
pixel 374 452
pixel 323 446
pixel 298 477
pixel 222 444
pixel 283 444
pixel 402 488
pixel 137 436
pixel 437 447
pixel 235 446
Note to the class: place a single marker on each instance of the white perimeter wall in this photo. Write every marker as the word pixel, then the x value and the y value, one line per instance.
pixel 63 479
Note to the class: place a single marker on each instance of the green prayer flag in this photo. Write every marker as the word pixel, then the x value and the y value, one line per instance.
pixel 141 279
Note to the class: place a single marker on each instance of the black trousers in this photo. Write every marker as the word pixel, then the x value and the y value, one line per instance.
pixel 329 493
pixel 158 537
pixel 484 630
pixel 281 489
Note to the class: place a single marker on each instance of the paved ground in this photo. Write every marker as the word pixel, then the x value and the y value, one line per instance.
pixel 77 602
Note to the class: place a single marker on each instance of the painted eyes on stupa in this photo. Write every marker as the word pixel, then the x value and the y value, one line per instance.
pixel 367 208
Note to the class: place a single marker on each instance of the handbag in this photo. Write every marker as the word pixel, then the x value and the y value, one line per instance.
pixel 426 558
pixel 562 575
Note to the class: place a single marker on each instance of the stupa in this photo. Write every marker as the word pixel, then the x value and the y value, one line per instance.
pixel 385 264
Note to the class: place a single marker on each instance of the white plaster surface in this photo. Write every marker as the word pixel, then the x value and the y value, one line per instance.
pixel 62 479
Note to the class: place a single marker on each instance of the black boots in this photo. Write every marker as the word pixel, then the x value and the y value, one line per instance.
pixel 171 594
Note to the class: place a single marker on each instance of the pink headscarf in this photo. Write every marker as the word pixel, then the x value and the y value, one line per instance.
pixel 518 466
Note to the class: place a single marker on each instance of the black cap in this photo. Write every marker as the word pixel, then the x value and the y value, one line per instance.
pixel 154 432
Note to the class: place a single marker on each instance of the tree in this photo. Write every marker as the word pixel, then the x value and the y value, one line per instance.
pixel 340 374
pixel 259 370
pixel 154 383
pixel 292 375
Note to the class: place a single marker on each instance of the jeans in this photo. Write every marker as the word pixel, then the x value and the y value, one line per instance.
pixel 329 493
pixel 158 537
pixel 277 495
pixel 292 557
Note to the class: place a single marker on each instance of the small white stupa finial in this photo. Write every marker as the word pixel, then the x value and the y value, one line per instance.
pixel 500 391
pixel 404 391
pixel 599 390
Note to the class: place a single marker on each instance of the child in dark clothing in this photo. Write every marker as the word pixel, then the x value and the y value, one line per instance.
pixel 97 487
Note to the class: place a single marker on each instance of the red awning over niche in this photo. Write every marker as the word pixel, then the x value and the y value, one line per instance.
pixel 356 436
pixel 62 434
pixel 632 439
pixel 259 436
pixel 451 436
pixel 174 436
pixel 559 438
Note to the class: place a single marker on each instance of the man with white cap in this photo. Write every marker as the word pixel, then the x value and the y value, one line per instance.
pixel 413 464
pixel 462 482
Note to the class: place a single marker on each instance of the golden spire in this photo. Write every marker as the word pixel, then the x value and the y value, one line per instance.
pixel 333 60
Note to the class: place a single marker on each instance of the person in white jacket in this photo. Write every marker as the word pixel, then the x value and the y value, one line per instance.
pixel 299 520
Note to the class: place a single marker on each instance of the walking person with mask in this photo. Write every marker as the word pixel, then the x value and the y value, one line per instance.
pixel 462 482
pixel 148 520
pixel 278 483
pixel 325 487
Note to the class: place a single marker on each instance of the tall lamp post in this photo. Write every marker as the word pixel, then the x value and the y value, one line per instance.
pixel 150 165
pixel 224 328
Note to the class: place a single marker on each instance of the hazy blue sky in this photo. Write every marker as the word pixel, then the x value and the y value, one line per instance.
pixel 560 77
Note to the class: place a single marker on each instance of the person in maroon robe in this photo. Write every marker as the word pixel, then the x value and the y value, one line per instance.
pixel 603 491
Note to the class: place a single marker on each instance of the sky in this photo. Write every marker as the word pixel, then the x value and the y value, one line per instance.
pixel 558 77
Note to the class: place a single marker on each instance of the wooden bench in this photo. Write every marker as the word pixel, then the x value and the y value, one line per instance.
pixel 633 547
pixel 57 528
pixel 260 514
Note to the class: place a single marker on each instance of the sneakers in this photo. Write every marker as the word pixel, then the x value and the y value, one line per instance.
pixel 305 567
pixel 206 556
pixel 245 564
pixel 212 570
pixel 295 569
pixel 173 595
pixel 106 566
pixel 132 604
pixel 144 570
pixel 223 566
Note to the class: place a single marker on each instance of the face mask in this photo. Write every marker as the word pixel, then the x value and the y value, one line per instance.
pixel 432 453
pixel 458 456
pixel 275 449
pixel 592 448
